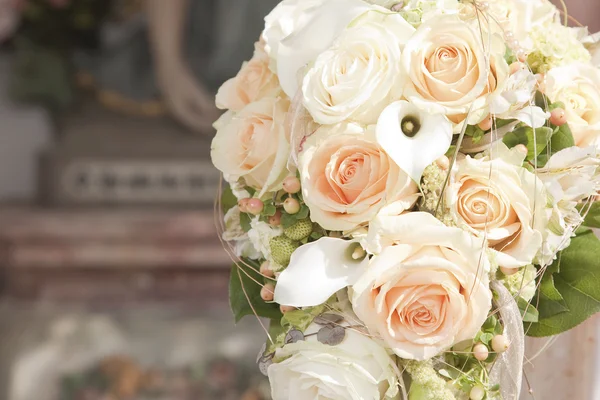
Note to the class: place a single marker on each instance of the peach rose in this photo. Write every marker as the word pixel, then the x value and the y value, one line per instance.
pixel 252 144
pixel 347 178
pixel 577 86
pixel 447 67
pixel 254 81
pixel 426 292
pixel 500 200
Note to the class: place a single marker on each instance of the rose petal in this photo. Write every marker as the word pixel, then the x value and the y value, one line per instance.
pixel 326 22
pixel 413 154
pixel 318 270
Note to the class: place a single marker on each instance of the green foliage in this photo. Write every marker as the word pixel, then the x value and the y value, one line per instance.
pixel 542 142
pixel 562 138
pixel 573 295
pixel 287 220
pixel 592 219
pixel 536 140
pixel 244 293
pixel 228 199
pixel 301 318
pixel 528 312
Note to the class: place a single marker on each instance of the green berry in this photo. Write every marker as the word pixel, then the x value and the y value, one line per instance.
pixel 282 248
pixel 300 230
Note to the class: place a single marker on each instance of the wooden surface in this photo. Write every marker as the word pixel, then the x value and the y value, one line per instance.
pixel 569 369
pixel 111 255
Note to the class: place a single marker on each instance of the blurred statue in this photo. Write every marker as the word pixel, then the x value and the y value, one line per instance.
pixel 173 55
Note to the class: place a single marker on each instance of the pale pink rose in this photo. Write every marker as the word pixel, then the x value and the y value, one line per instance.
pixel 447 67
pixel 347 178
pixel 499 200
pixel 254 81
pixel 427 291
pixel 577 86
pixel 252 144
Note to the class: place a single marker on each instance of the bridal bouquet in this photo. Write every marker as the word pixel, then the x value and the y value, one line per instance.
pixel 411 192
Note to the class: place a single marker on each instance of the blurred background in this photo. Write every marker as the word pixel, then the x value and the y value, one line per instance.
pixel 113 281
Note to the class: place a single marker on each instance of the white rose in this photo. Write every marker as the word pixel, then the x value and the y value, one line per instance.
pixel 252 144
pixel 357 369
pixel 577 86
pixel 360 74
pixel 426 288
pixel 324 25
pixel 287 17
pixel 501 201
pixel 450 72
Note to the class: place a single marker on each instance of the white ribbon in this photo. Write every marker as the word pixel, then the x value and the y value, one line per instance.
pixel 508 369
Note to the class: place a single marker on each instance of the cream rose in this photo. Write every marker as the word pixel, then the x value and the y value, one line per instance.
pixel 252 144
pixel 254 81
pixel 361 73
pixel 347 178
pixel 426 292
pixel 356 369
pixel 320 26
pixel 500 201
pixel 578 88
pixel 448 71
pixel 286 18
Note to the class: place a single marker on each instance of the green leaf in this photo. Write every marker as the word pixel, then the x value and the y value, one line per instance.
pixel 592 219
pixel 451 152
pixel 301 318
pixel 541 100
pixel 550 302
pixel 287 220
pixel 303 213
pixel 269 210
pixel 578 282
pixel 536 140
pixel 561 139
pixel 486 338
pixel 490 324
pixel 245 222
pixel 228 200
pixel 528 312
pixel 244 292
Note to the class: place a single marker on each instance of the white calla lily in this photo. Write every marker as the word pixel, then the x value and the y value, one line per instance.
pixel 429 136
pixel 317 270
pixel 323 25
